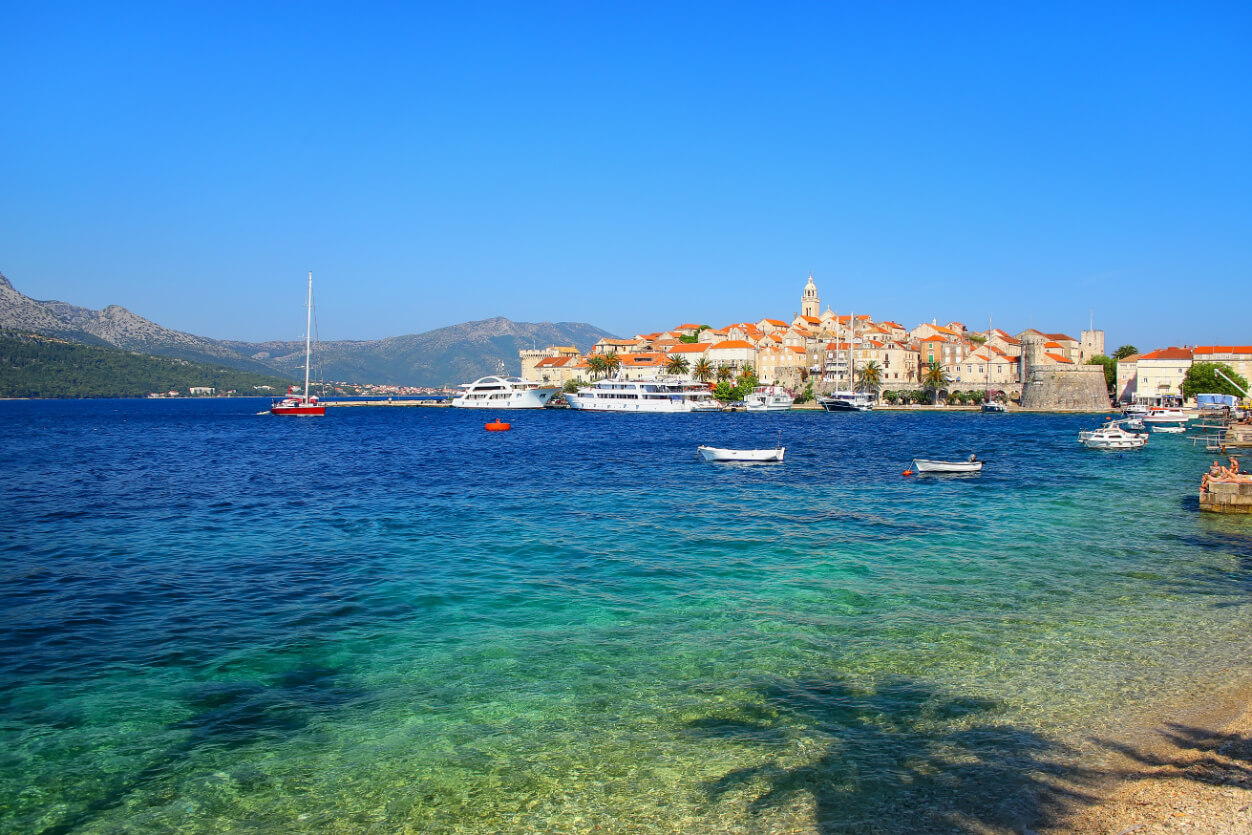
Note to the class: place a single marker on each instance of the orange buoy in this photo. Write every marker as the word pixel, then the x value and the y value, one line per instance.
pixel 497 425
pixel 907 472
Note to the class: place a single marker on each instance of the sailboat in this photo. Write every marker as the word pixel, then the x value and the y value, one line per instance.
pixel 303 403
pixel 850 400
pixel 990 405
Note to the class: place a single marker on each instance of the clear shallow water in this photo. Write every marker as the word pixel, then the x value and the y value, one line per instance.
pixel 389 620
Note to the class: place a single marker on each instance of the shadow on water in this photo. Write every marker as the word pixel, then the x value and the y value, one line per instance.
pixel 226 715
pixel 1192 753
pixel 1220 581
pixel 898 757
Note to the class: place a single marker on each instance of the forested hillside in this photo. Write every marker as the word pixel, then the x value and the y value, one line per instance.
pixel 42 366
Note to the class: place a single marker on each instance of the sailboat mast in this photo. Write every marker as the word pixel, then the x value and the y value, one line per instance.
pixel 851 356
pixel 308 337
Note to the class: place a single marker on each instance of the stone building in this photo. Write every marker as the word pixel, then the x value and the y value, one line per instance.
pixel 1049 385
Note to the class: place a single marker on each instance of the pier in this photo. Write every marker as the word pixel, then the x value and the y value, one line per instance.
pixel 1228 495
pixel 405 402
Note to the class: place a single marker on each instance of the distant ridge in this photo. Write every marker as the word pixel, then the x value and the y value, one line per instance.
pixel 449 355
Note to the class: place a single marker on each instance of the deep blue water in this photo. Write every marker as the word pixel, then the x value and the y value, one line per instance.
pixel 390 620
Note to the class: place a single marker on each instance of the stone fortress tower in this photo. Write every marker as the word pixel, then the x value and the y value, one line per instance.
pixel 1091 345
pixel 810 304
pixel 1049 386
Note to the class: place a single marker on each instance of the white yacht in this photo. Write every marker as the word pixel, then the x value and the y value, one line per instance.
pixel 768 399
pixel 504 393
pixel 847 401
pixel 658 395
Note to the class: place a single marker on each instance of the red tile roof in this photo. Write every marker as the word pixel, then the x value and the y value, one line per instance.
pixel 731 343
pixel 692 348
pixel 1167 354
pixel 1222 349
pixel 1056 358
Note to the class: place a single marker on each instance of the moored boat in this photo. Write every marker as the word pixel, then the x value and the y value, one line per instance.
pixel 847 401
pixel 495 392
pixel 1166 415
pixel 302 404
pixel 768 399
pixel 759 456
pixel 994 406
pixel 654 395
pixel 923 465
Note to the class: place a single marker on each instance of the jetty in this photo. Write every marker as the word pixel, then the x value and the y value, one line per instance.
pixel 1227 495
pixel 405 402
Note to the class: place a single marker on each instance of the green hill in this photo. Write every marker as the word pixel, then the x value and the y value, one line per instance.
pixel 44 366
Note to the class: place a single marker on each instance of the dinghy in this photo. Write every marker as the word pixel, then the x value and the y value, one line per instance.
pixel 712 453
pixel 922 465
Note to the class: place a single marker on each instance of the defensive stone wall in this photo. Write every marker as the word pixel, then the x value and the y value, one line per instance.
pixel 1080 388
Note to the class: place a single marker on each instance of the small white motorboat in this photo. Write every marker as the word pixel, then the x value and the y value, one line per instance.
pixel 759 456
pixel 922 465
pixel 1172 429
pixel 1112 436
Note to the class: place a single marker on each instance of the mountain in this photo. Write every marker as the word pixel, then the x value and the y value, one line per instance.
pixel 46 366
pixel 451 355
pixel 117 327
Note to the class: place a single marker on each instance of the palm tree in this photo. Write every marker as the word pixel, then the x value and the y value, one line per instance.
pixel 612 362
pixel 677 365
pixel 596 364
pixel 871 376
pixel 703 370
pixel 934 378
pixel 724 372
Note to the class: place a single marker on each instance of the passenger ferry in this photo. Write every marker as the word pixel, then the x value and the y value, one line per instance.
pixel 504 393
pixel 658 395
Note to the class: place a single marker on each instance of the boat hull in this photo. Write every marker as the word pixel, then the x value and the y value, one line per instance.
pixel 922 465
pixel 643 396
pixel 298 411
pixel 758 456
pixel 847 401
pixel 533 399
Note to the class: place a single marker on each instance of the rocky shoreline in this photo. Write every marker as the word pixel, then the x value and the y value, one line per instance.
pixel 1192 774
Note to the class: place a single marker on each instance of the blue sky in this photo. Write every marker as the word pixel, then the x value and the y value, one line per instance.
pixel 632 165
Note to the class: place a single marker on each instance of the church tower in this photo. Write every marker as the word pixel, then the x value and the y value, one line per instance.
pixel 810 304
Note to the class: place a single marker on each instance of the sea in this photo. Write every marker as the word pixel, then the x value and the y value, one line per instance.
pixel 388 620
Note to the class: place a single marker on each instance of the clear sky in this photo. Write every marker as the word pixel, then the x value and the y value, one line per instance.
pixel 632 165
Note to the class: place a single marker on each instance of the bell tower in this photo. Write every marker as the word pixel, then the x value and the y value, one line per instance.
pixel 810 304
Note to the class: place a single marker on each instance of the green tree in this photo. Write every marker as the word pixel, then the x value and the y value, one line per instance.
pixel 612 362
pixel 934 378
pixel 677 365
pixel 1202 379
pixel 725 373
pixel 1125 351
pixel 871 377
pixel 806 394
pixel 693 338
pixel 597 365
pixel 703 370
pixel 976 397
pixel 1110 369
pixel 570 387
pixel 957 397
pixel 726 392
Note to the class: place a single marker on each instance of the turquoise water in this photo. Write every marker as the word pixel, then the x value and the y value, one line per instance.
pixel 389 620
